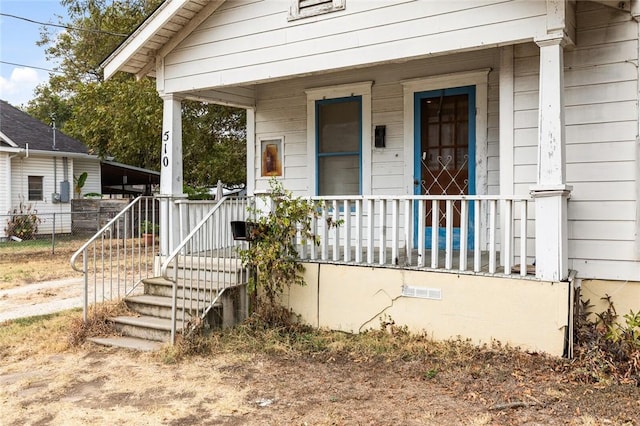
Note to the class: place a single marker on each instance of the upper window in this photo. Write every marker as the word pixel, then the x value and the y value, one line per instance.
pixel 339 136
pixel 35 188
pixel 304 8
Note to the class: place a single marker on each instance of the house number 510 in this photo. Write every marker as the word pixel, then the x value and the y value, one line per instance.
pixel 165 153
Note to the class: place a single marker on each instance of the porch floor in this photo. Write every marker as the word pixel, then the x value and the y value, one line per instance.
pixel 403 262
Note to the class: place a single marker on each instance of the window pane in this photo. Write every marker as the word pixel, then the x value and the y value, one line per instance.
pixel 447 110
pixel 339 127
pixel 339 175
pixel 35 188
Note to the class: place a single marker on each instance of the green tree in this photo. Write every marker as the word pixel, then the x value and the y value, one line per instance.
pixel 119 118
pixel 122 117
pixel 48 106
pixel 215 144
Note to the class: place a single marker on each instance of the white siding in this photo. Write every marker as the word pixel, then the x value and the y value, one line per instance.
pixel 21 168
pixel 93 182
pixel 281 111
pixel 5 177
pixel 601 115
pixel 249 41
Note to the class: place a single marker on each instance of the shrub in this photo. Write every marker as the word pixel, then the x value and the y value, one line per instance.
pixel 148 227
pixel 78 183
pixel 273 253
pixel 23 222
pixel 605 349
pixel 197 193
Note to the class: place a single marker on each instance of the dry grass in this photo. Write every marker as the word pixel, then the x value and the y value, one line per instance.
pixel 382 376
pixel 97 324
pixel 388 344
pixel 40 335
pixel 32 261
pixel 305 376
pixel 55 333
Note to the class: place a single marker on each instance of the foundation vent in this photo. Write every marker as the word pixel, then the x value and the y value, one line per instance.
pixel 422 292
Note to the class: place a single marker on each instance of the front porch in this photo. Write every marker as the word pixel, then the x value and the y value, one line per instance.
pixel 490 175
pixel 480 265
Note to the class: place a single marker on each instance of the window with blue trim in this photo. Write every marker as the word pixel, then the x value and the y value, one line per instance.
pixel 339 145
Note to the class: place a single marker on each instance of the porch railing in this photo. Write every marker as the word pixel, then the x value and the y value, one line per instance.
pixel 479 233
pixel 191 212
pixel 118 257
pixel 206 262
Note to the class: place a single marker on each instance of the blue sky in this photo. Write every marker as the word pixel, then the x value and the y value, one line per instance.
pixel 18 45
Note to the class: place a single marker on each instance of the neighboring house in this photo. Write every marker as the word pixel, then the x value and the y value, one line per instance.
pixel 37 168
pixel 510 126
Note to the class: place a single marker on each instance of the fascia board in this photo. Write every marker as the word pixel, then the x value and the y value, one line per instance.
pixel 141 35
pixel 8 140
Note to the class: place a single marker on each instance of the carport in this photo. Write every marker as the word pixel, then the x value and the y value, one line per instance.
pixel 123 179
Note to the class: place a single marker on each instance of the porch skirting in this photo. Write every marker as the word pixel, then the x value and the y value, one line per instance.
pixel 532 315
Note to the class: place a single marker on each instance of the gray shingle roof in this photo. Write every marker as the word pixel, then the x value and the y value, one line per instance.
pixel 22 129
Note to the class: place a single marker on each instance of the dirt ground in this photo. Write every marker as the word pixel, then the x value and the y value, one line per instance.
pixel 108 386
pixel 43 381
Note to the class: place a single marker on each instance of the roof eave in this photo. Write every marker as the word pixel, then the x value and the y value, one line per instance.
pixel 130 167
pixel 8 140
pixel 63 154
pixel 136 40
pixel 137 54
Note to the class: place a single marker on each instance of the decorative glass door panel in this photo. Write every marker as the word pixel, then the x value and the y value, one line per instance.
pixel 445 153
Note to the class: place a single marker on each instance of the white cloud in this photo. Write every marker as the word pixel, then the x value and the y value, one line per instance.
pixel 18 89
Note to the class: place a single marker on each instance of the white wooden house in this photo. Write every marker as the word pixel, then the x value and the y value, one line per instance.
pixel 483 154
pixel 37 167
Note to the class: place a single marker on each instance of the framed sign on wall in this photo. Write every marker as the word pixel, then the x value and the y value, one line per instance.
pixel 271 157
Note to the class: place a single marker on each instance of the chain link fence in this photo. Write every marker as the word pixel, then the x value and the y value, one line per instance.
pixel 79 225
pixel 54 227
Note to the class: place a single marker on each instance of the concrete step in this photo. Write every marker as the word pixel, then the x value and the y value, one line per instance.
pixel 196 290
pixel 160 306
pixel 132 343
pixel 145 327
pixel 192 273
pixel 209 263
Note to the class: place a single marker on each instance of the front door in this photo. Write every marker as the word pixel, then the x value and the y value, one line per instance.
pixel 445 153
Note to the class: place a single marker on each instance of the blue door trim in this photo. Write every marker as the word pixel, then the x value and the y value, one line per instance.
pixel 470 91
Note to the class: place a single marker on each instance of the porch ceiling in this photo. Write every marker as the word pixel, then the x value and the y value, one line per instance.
pixel 162 31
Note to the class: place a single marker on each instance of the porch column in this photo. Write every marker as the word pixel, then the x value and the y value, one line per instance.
pixel 551 192
pixel 171 177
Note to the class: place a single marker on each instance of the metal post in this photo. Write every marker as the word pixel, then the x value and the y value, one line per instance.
pixel 85 267
pixel 174 302
pixel 53 236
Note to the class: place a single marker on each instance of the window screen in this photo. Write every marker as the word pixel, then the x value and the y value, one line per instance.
pixel 339 134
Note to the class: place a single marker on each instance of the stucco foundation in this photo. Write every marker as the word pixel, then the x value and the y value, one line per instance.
pixel 530 314
pixel 624 294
